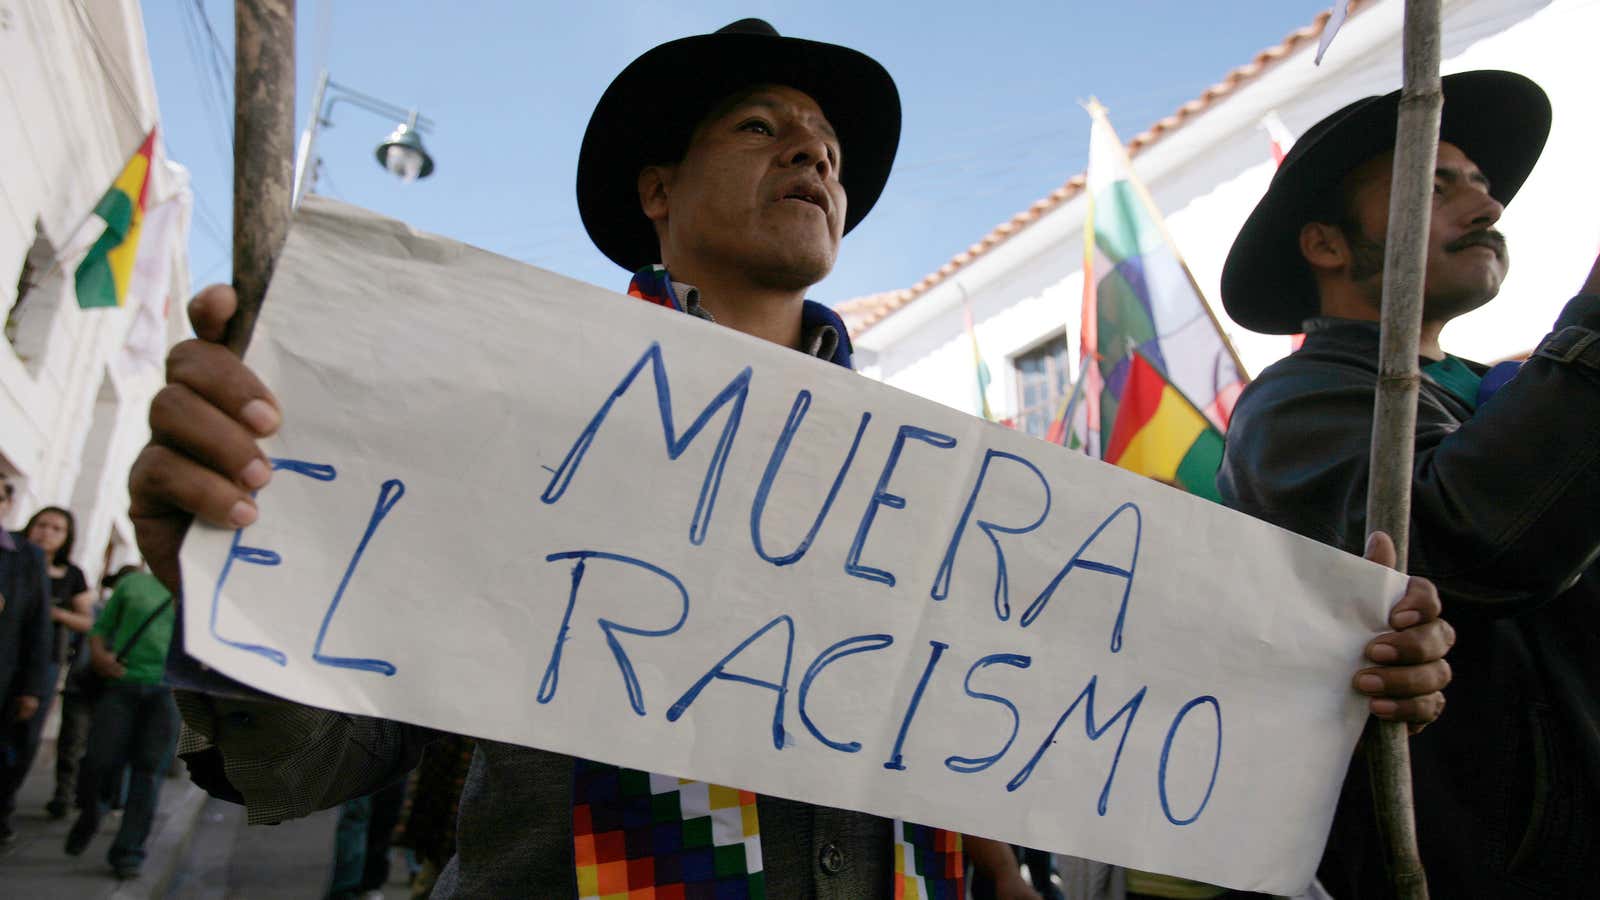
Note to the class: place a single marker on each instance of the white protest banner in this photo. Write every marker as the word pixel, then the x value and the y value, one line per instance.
pixel 515 506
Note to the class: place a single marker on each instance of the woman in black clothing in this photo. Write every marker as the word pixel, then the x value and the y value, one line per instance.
pixel 52 529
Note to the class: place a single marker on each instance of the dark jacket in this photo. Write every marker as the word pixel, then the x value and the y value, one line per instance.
pixel 1506 521
pixel 25 648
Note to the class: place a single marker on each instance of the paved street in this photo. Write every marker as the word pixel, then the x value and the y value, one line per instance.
pixel 227 859
pixel 199 849
pixel 35 866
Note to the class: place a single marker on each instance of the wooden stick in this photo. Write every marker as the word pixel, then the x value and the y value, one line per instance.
pixel 1395 412
pixel 1070 410
pixel 263 152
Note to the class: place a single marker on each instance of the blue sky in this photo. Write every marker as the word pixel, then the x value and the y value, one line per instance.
pixel 990 94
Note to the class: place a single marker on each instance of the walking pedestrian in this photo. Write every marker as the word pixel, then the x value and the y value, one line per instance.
pixel 361 842
pixel 53 530
pixel 27 670
pixel 135 720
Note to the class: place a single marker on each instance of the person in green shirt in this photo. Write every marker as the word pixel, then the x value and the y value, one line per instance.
pixel 135 718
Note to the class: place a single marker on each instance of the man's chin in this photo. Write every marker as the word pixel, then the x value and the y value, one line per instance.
pixel 796 269
pixel 1460 302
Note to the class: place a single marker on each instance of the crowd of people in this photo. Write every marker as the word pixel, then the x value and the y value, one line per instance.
pixel 104 657
pixel 104 654
pixel 722 171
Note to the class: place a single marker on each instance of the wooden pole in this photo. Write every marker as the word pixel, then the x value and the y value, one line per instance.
pixel 1070 410
pixel 1395 412
pixel 263 152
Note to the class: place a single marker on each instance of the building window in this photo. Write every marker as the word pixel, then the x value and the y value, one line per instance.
pixel 1044 381
pixel 32 313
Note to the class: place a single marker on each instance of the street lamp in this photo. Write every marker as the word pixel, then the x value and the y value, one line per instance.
pixel 401 153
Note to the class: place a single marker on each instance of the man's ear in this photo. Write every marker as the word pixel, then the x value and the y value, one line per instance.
pixel 1323 246
pixel 654 182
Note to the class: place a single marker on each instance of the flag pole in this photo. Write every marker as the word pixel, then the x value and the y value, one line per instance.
pixel 263 152
pixel 1089 312
pixel 1095 109
pixel 977 355
pixel 1071 408
pixel 1395 402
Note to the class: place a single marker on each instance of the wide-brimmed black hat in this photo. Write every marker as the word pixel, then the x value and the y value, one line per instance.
pixel 1499 120
pixel 650 111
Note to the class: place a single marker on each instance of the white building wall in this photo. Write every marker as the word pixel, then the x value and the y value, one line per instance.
pixel 1208 175
pixel 76 98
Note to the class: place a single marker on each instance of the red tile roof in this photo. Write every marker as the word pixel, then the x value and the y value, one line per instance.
pixel 861 313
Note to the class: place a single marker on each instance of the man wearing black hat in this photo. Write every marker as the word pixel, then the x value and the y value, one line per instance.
pixel 722 170
pixel 1504 494
pixel 712 169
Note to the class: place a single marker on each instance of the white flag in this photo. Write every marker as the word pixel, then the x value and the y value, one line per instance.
pixel 1282 138
pixel 1336 18
pixel 146 343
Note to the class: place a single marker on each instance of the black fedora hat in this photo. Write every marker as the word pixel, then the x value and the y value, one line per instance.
pixel 1499 120
pixel 649 112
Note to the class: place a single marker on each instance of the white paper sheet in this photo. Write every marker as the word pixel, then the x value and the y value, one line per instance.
pixel 477 525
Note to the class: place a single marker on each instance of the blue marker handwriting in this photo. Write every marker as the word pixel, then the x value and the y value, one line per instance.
pixel 1009 499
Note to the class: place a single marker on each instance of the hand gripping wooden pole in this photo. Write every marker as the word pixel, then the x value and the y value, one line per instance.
pixel 263 152
pixel 1395 413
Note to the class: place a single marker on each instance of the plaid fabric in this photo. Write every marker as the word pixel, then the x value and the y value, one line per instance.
pixel 928 864
pixel 433 802
pixel 638 835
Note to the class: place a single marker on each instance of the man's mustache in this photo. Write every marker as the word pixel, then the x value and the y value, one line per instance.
pixel 1487 237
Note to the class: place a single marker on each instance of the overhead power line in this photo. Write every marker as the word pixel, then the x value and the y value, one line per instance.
pixel 214 91
pixel 125 95
pixel 221 64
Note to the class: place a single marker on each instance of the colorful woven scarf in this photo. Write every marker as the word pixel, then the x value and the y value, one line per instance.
pixel 637 834
pixel 653 284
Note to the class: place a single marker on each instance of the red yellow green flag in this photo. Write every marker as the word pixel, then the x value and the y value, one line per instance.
pixel 1161 435
pixel 103 276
